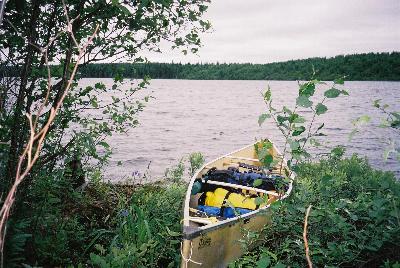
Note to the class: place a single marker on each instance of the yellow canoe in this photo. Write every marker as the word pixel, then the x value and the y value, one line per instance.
pixel 214 242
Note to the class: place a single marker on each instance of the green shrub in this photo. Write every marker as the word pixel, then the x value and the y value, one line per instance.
pixel 176 173
pixel 354 221
pixel 107 225
pixel 58 223
pixel 16 244
pixel 196 160
pixel 148 232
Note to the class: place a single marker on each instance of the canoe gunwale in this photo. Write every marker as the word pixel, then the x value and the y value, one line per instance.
pixel 190 232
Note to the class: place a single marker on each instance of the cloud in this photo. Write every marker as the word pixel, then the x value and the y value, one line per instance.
pixel 261 31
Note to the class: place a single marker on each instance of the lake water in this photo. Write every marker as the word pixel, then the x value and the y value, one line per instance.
pixel 217 117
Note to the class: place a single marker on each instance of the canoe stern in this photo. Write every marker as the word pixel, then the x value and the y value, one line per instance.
pixel 219 245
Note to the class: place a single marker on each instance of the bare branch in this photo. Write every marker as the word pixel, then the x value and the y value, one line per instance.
pixel 34 145
pixel 305 237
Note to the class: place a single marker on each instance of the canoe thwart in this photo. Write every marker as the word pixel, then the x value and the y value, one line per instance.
pixel 243 158
pixel 237 186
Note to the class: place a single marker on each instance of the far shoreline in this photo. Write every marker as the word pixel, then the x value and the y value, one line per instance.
pixel 268 80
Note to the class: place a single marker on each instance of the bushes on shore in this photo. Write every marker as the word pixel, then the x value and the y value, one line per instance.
pixel 354 220
pixel 100 225
pixel 148 230
pixel 105 225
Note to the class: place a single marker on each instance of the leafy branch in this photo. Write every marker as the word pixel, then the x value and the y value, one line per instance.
pixel 390 121
pixel 293 125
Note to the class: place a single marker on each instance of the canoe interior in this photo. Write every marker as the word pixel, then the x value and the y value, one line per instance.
pixel 245 156
pixel 213 241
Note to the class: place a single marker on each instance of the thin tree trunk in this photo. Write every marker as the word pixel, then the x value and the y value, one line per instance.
pixel 50 28
pixel 60 87
pixel 17 137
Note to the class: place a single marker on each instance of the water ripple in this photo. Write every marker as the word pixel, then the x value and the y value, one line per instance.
pixel 216 117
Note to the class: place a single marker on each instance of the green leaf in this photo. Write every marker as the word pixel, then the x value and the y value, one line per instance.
pixel 94 103
pixel 267 160
pixel 258 201
pixel 257 182
pixel 307 89
pixel 268 94
pixel 376 103
pixel 339 81
pixel 104 144
pixel 299 120
pixel 172 233
pixel 344 92
pixel 287 110
pixel 279 265
pixel 338 152
pixel 314 142
pixel 100 85
pixel 54 200
pixel 264 262
pixel 395 123
pixel 293 117
pixel 396 114
pixel 115 99
pixel 326 179
pixel 362 120
pixel 303 101
pixel 294 145
pixel 272 255
pixel 320 109
pixel 332 93
pixel 118 77
pixel 298 130
pixel 264 150
pixel 281 119
pixel 100 248
pixel 262 118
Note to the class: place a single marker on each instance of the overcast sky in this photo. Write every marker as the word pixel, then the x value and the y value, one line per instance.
pixel 262 31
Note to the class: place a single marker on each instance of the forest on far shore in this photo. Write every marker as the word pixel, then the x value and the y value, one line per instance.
pixel 359 67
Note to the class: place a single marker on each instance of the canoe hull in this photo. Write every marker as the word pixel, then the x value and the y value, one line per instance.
pixel 217 244
pixel 220 246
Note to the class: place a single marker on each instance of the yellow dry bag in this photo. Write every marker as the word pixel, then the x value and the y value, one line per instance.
pixel 218 197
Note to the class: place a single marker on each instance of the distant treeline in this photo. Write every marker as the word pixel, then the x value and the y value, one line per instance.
pixel 371 66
